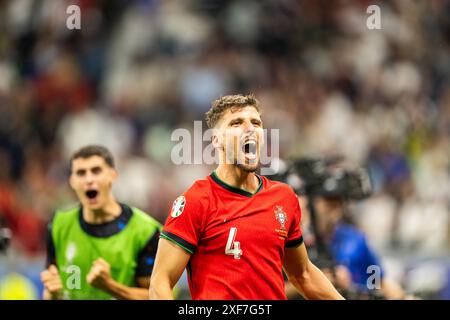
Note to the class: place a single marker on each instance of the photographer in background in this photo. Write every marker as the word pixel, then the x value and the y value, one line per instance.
pixel 336 245
pixel 352 254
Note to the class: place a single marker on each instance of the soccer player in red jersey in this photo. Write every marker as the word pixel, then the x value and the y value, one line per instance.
pixel 235 230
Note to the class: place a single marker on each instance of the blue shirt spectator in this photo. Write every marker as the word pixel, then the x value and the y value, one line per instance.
pixel 350 248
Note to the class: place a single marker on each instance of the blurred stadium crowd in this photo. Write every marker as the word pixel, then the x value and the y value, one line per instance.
pixel 139 69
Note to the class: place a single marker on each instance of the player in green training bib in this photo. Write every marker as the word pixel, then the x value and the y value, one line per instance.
pixel 100 249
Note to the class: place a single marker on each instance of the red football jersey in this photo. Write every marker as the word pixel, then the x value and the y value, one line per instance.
pixel 236 239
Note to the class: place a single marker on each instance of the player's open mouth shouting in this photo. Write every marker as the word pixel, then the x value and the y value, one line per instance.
pixel 250 149
pixel 92 195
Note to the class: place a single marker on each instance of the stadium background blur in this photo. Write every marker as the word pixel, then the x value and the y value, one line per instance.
pixel 137 70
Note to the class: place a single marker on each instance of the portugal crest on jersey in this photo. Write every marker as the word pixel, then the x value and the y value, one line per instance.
pixel 280 215
pixel 178 206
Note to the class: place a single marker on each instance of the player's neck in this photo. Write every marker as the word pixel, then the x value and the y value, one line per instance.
pixel 108 212
pixel 237 177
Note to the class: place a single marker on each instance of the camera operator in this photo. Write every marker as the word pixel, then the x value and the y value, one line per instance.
pixel 341 250
pixel 350 251
pixel 338 274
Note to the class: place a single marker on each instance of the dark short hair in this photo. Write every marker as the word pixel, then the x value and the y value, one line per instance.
pixel 232 102
pixel 93 150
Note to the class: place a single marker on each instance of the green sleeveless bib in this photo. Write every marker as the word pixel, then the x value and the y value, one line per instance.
pixel 76 251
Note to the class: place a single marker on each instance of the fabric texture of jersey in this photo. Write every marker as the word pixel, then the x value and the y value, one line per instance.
pixel 76 250
pixel 236 239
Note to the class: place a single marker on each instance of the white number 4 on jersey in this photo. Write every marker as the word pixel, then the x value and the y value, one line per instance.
pixel 233 247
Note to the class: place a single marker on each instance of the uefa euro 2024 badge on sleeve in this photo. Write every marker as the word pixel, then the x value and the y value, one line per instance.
pixel 178 206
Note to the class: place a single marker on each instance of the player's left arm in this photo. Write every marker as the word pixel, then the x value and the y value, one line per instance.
pixel 310 282
pixel 100 277
pixel 306 277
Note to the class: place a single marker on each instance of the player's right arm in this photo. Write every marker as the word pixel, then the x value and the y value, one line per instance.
pixel 178 240
pixel 170 262
pixel 52 283
pixel 50 276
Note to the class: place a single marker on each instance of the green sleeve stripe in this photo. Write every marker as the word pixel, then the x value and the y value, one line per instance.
pixel 294 243
pixel 178 241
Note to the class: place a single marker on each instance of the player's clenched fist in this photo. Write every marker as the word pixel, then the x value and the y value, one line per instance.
pixel 100 274
pixel 52 281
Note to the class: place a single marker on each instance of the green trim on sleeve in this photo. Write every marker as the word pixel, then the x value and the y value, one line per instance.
pixel 178 241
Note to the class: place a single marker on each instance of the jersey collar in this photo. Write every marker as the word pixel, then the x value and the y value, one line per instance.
pixel 106 229
pixel 233 189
